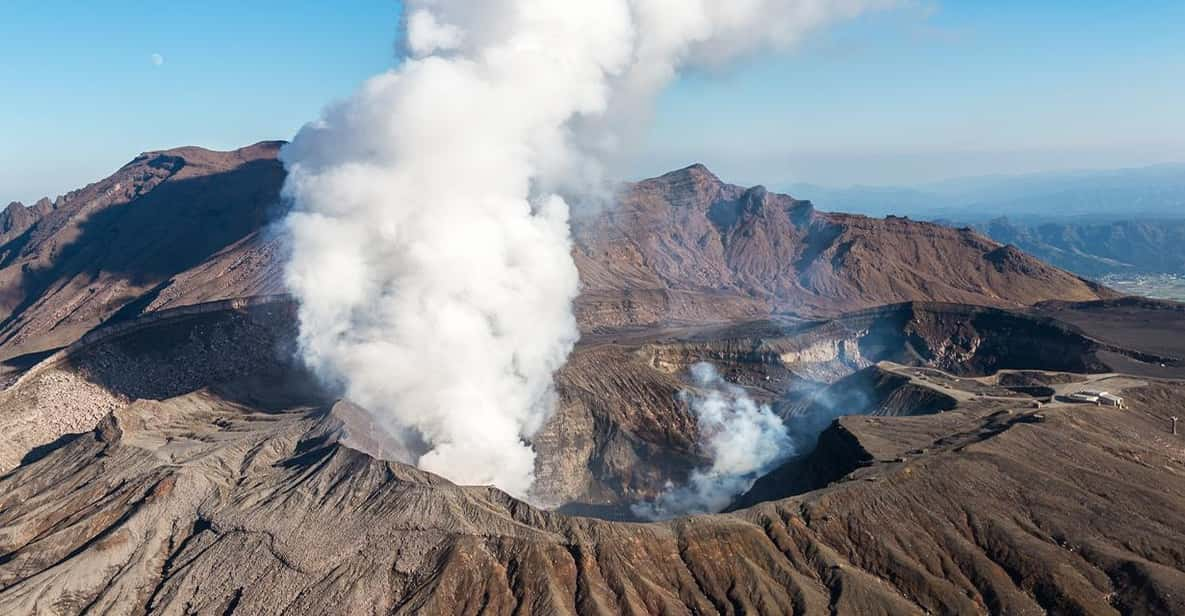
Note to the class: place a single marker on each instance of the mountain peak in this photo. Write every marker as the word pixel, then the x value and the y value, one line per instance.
pixel 205 157
pixel 15 218
pixel 697 172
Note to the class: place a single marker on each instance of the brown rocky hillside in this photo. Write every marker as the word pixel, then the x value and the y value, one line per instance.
pixel 688 246
pixel 175 458
pixel 188 225
pixel 166 224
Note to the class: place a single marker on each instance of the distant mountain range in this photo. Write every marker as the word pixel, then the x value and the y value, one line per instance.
pixel 1093 223
pixel 1150 246
pixel 1085 196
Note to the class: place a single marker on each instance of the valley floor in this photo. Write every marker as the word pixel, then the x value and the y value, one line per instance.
pixel 1155 286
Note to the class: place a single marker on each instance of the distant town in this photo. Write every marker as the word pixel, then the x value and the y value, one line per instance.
pixel 1159 286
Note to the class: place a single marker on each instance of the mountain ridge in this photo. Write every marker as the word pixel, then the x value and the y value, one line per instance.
pixel 687 232
pixel 1140 246
pixel 1154 191
pixel 188 225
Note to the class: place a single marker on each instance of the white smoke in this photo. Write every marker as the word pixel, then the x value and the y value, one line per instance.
pixel 430 251
pixel 743 439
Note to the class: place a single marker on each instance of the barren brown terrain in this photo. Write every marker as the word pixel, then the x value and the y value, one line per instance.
pixel 190 225
pixel 169 227
pixel 163 450
pixel 687 246
pixel 221 488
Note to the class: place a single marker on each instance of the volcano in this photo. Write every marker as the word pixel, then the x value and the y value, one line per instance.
pixel 164 451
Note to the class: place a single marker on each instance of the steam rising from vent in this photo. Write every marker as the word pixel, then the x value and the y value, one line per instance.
pixel 430 246
pixel 744 440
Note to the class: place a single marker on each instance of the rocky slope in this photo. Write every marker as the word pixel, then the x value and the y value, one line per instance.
pixel 189 225
pixel 176 459
pixel 621 431
pixel 688 246
pixel 168 224
pixel 252 495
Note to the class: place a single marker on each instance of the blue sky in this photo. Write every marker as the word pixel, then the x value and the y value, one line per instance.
pixel 928 91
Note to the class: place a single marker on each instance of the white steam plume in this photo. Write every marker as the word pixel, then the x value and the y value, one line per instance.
pixel 430 251
pixel 743 439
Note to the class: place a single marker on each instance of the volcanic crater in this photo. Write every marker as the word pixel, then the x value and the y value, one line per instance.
pixel 165 452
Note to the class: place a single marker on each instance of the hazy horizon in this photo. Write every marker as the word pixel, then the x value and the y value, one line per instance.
pixel 744 176
pixel 916 94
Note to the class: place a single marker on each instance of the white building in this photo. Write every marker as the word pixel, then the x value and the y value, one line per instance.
pixel 1108 399
pixel 1103 398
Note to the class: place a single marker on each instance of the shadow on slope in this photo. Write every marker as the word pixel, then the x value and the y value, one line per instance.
pixel 144 240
